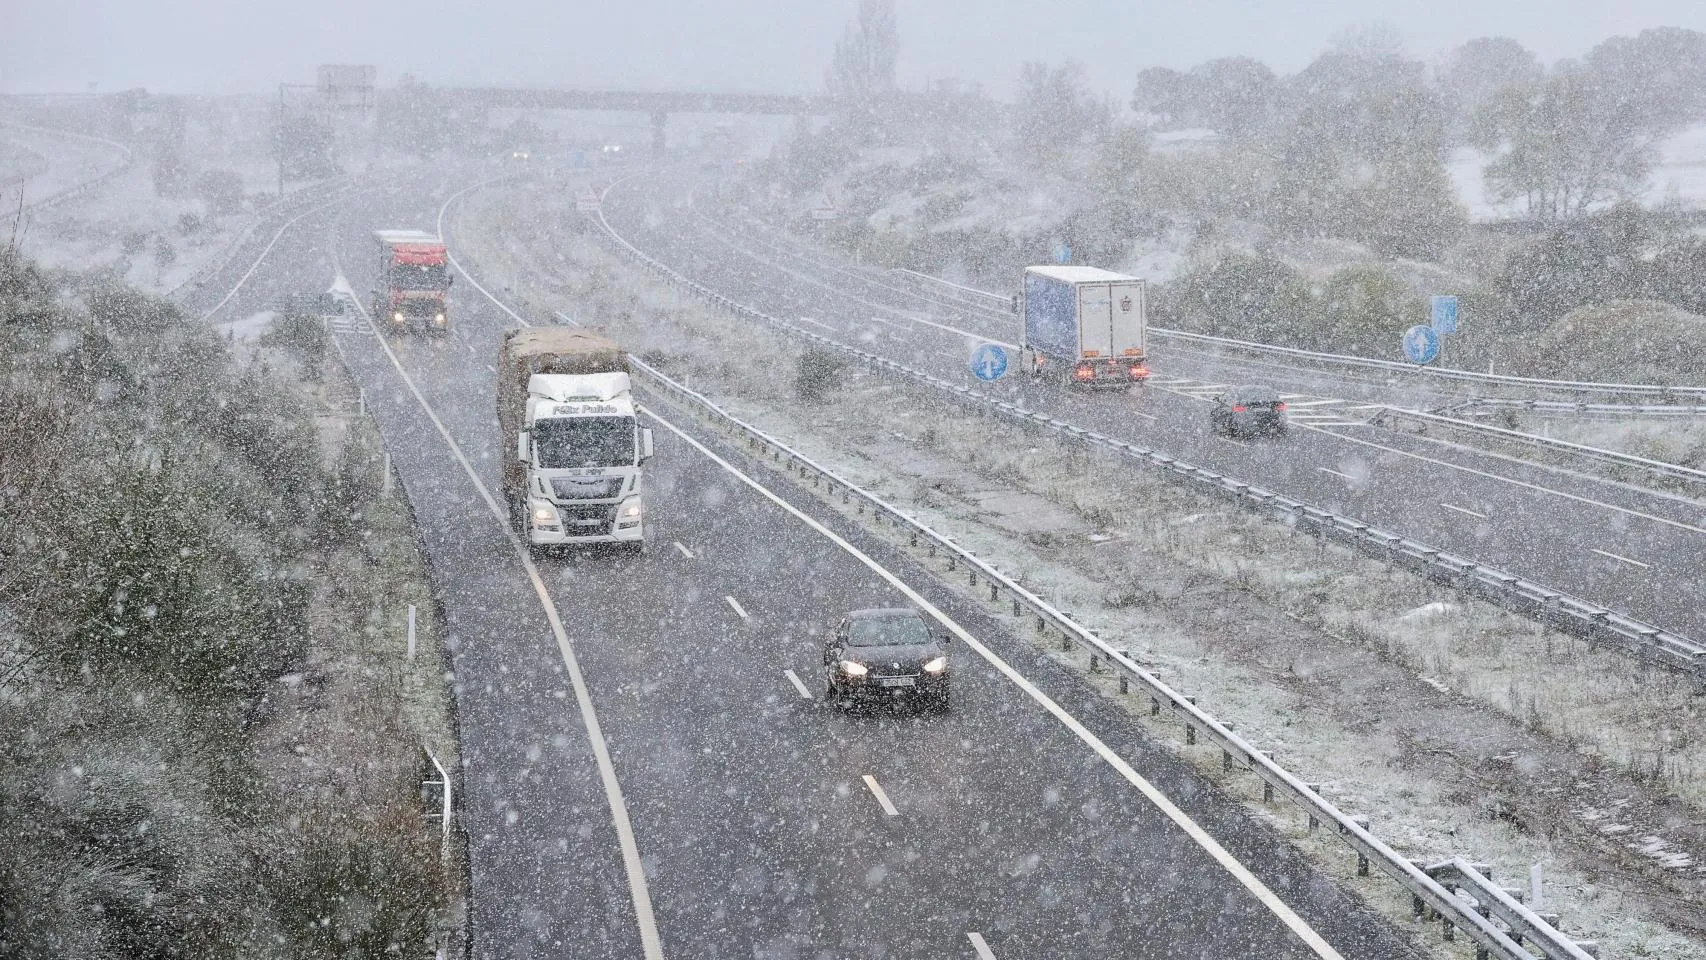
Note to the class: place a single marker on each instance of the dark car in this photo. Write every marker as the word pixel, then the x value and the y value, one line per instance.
pixel 887 653
pixel 1248 411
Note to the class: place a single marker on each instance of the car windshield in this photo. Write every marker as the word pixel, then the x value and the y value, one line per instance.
pixel 888 632
pixel 569 442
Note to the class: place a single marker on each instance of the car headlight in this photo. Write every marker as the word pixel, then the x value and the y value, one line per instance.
pixel 937 665
pixel 544 511
pixel 398 316
pixel 854 668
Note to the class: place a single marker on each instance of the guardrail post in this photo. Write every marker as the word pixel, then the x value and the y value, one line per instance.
pixel 1154 706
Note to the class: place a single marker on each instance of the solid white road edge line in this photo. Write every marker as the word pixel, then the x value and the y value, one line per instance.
pixel 1239 872
pixel 982 948
pixel 650 942
pixel 684 551
pixel 1344 476
pixel 882 798
pixel 794 678
pixel 1614 556
pixel 1478 516
pixel 737 607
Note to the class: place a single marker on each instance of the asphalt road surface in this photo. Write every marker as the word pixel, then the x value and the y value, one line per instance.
pixel 645 777
pixel 1625 548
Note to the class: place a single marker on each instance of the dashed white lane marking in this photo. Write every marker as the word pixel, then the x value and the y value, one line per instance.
pixel 684 551
pixel 983 951
pixel 882 798
pixel 1622 559
pixel 738 608
pixel 1236 443
pixel 1342 476
pixel 794 678
pixel 819 323
pixel 1464 510
pixel 1231 864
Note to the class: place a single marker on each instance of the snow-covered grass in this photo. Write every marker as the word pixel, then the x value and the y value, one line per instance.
pixel 1678 176
pixel 1461 729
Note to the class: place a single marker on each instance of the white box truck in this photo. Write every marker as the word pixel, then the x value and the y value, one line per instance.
pixel 565 404
pixel 1084 326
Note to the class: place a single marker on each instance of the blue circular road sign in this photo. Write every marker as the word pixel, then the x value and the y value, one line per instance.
pixel 989 362
pixel 1421 344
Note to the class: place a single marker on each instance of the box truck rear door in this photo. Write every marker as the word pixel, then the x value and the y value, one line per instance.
pixel 1128 319
pixel 1095 319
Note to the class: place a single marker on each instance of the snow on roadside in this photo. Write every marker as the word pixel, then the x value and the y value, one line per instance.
pixel 1503 664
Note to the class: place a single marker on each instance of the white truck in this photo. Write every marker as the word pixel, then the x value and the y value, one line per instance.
pixel 565 403
pixel 1084 326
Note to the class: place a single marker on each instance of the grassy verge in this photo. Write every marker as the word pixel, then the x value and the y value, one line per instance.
pixel 1361 676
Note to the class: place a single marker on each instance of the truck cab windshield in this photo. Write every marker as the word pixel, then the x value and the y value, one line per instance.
pixel 418 276
pixel 572 442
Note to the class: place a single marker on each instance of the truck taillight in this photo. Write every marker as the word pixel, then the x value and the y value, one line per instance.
pixel 1239 408
pixel 1083 372
pixel 1279 407
pixel 1139 372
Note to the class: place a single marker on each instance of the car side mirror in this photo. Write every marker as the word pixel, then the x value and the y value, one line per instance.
pixel 645 444
pixel 521 446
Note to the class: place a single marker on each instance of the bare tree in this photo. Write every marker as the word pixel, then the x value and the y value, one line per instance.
pixel 1568 144
pixel 863 70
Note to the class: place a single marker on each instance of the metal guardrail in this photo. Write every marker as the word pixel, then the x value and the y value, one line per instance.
pixel 1566 406
pixel 1503 938
pixel 1491 900
pixel 1590 621
pixel 1659 467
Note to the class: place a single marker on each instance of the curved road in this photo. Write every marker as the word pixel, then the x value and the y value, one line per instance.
pixel 747 819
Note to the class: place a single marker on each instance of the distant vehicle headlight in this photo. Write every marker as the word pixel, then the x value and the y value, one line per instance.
pixel 854 668
pixel 438 320
pixel 398 316
pixel 937 665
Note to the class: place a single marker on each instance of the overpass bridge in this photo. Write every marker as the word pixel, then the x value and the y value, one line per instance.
pixel 658 104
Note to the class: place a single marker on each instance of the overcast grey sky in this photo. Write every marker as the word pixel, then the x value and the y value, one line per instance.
pixel 213 46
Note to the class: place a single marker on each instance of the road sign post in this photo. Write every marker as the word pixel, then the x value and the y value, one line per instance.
pixel 989 362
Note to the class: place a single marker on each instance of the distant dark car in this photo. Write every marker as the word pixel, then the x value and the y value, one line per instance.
pixel 886 653
pixel 1243 411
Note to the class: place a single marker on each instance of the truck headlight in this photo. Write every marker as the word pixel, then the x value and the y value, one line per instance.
pixel 543 511
pixel 629 511
pixel 854 668
pixel 438 320
pixel 398 316
pixel 937 665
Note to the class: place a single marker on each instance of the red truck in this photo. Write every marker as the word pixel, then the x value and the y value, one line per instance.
pixel 414 277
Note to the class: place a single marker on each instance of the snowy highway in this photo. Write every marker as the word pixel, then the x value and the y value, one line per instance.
pixel 766 824
pixel 1627 548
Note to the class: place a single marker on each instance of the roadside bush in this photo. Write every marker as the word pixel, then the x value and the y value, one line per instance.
pixel 1242 295
pixel 221 191
pixel 819 373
